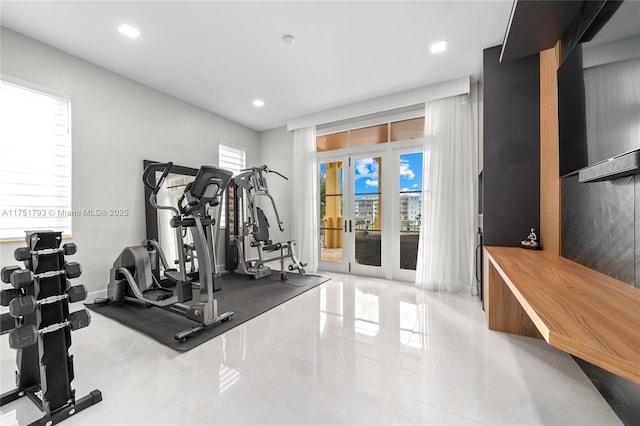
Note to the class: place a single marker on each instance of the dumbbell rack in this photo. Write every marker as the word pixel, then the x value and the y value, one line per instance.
pixel 42 337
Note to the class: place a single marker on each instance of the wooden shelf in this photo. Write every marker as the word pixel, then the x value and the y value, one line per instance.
pixel 574 308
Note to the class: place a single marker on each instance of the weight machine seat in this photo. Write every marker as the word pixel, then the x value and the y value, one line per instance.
pixel 262 234
pixel 261 237
pixel 274 247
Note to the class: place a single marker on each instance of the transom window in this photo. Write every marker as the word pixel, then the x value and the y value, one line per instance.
pixel 394 131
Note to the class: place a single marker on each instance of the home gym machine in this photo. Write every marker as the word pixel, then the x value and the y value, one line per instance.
pixel 39 325
pixel 131 277
pixel 246 220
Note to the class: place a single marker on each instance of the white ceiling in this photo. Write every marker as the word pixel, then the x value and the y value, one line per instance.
pixel 222 55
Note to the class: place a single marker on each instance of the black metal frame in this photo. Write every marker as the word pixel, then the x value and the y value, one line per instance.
pixel 151 214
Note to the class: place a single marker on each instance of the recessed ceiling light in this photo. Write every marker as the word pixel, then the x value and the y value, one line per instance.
pixel 438 47
pixel 129 31
pixel 258 103
pixel 288 39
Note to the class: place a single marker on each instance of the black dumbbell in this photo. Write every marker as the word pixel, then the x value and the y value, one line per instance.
pixel 6 273
pixel 72 269
pixel 6 296
pixel 25 305
pixel 24 253
pixel 76 293
pixel 69 249
pixel 23 337
pixel 21 254
pixel 21 278
pixel 27 335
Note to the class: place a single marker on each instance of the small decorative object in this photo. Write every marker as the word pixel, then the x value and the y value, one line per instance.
pixel 531 242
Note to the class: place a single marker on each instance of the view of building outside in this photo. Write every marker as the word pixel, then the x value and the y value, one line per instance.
pixel 368 208
pixel 410 192
pixel 410 205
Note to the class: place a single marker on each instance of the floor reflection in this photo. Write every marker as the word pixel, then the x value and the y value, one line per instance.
pixel 354 350
pixel 401 310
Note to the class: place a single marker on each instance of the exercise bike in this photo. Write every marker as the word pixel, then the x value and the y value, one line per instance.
pixel 251 221
pixel 131 277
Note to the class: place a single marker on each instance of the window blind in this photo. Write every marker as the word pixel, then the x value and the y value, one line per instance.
pixel 35 170
pixel 232 158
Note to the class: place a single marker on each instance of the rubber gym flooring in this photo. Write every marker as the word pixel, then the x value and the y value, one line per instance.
pixel 247 298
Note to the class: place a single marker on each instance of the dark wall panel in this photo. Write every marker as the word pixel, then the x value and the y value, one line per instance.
pixel 637 227
pixel 601 229
pixel 511 172
pixel 621 394
pixel 598 225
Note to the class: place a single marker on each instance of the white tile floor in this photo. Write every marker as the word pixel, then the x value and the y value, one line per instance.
pixel 353 351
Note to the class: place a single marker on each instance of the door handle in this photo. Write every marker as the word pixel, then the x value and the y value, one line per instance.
pixel 350 230
pixel 345 225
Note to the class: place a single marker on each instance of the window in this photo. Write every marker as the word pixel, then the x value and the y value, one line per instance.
pixel 390 131
pixel 369 135
pixel 231 158
pixel 332 142
pixel 35 171
pixel 407 129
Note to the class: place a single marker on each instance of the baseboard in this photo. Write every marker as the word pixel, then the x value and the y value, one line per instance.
pixel 99 294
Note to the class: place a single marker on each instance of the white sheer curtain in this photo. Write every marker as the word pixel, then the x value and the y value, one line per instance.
pixel 305 223
pixel 446 250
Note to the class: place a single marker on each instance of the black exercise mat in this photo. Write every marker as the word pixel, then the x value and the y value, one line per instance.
pixel 247 298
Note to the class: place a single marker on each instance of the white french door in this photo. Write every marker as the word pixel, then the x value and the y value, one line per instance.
pixel 366 231
pixel 408 196
pixel 370 204
pixel 334 253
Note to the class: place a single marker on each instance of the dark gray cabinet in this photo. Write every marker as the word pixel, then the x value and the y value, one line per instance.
pixel 511 148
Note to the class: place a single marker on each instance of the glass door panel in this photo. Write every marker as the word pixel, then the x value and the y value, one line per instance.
pixel 332 254
pixel 367 212
pixel 409 208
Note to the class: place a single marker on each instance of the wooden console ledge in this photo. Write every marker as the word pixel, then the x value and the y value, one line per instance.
pixel 574 308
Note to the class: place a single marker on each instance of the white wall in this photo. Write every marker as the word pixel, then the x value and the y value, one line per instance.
pixel 276 151
pixel 117 123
